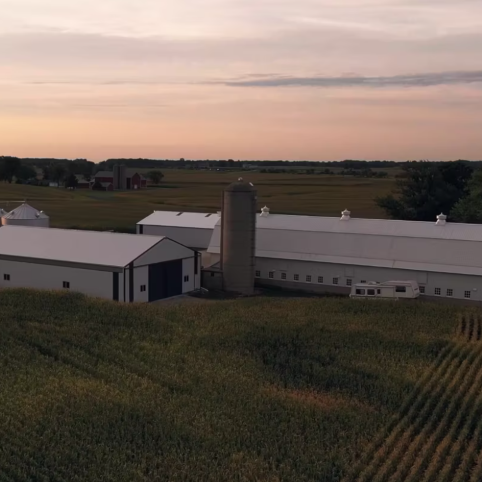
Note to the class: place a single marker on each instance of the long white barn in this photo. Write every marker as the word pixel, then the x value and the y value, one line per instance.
pixel 120 267
pixel 330 254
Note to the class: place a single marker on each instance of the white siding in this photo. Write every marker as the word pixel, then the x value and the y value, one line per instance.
pixel 166 250
pixel 40 276
pixel 458 283
pixel 191 237
pixel 188 270
pixel 141 277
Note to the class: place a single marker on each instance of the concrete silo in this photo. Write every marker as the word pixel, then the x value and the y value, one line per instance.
pixel 26 215
pixel 120 177
pixel 238 237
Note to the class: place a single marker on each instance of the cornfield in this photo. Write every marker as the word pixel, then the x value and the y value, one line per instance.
pixel 260 389
pixel 437 434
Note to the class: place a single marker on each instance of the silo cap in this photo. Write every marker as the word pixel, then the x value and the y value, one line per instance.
pixel 240 186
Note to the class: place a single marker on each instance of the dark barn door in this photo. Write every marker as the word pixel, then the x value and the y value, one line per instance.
pixel 165 280
pixel 128 183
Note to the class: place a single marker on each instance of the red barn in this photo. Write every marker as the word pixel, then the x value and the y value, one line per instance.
pixel 134 180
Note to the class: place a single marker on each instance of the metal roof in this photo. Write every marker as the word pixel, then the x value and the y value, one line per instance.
pixel 25 211
pixel 74 246
pixel 181 219
pixel 379 227
pixel 449 248
pixel 129 173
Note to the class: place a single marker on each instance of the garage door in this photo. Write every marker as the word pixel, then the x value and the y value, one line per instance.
pixel 165 280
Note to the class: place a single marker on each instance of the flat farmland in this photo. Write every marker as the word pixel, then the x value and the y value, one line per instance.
pixel 201 191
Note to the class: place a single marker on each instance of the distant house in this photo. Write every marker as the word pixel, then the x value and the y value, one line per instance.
pixel 82 183
pixel 133 180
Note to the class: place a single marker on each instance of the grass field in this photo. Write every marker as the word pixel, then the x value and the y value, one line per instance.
pixel 264 389
pixel 201 191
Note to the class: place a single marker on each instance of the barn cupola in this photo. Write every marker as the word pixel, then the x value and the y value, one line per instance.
pixel 265 212
pixel 441 220
pixel 345 215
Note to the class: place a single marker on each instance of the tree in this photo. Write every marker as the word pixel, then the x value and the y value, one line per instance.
pixel 469 209
pixel 57 173
pixel 427 189
pixel 9 167
pixel 26 173
pixel 71 181
pixel 155 176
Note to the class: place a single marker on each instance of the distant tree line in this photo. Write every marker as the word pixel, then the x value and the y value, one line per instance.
pixel 426 189
pixel 62 171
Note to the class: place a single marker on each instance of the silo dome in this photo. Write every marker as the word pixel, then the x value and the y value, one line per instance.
pixel 26 215
pixel 238 237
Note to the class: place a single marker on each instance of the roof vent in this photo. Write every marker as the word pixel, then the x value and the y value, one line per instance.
pixel 345 215
pixel 265 212
pixel 441 220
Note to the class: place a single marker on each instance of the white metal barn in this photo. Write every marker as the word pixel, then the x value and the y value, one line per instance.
pixel 26 215
pixel 191 229
pixel 331 254
pixel 120 267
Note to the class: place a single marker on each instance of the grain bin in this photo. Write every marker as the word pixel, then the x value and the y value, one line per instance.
pixel 238 237
pixel 26 215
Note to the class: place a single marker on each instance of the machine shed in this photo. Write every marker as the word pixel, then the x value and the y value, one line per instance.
pixel 120 267
pixel 191 229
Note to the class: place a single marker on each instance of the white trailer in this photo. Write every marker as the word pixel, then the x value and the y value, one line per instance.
pixel 387 289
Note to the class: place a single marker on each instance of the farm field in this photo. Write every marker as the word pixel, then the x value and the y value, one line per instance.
pixel 267 388
pixel 201 191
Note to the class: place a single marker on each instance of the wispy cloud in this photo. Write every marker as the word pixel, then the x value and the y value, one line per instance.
pixel 410 80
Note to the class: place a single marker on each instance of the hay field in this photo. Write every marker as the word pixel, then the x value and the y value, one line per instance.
pixel 201 191
pixel 261 389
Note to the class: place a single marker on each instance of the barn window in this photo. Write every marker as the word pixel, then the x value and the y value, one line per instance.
pixel 271 274
pixel 335 281
pixel 6 277
pixel 400 289
pixel 296 277
pixel 349 282
pixel 422 290
pixel 143 288
pixel 438 291
pixel 258 274
pixel 283 275
pixel 360 292
pixel 186 279
pixel 363 281
pixel 450 292
pixel 66 284
pixel 467 294
pixel 371 292
pixel 308 278
pixel 320 279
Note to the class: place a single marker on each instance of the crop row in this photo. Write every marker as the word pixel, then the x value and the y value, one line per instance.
pixel 437 434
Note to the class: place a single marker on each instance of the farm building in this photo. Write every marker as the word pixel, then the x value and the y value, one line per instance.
pixel 325 254
pixel 120 267
pixel 120 179
pixel 26 215
pixel 191 229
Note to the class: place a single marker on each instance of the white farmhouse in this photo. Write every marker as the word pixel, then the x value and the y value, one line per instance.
pixel 114 266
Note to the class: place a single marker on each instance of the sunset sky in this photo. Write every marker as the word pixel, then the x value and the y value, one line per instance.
pixel 241 79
